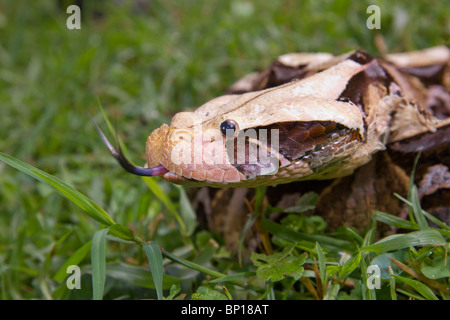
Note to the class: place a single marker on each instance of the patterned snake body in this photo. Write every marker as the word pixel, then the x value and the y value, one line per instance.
pixel 309 116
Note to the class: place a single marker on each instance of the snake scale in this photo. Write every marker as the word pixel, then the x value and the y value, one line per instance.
pixel 309 116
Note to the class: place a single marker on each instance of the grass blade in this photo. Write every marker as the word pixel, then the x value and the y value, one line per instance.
pixel 84 203
pixel 187 213
pixel 155 262
pixel 418 286
pixel 248 225
pixel 394 221
pixel 411 184
pixel 349 266
pixel 122 232
pixel 368 238
pixel 322 266
pixel 392 284
pixel 417 209
pixel 430 217
pixel 74 259
pixel 413 173
pixel 235 276
pixel 98 262
pixel 401 241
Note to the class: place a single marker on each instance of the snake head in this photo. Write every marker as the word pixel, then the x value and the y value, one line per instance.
pixel 261 137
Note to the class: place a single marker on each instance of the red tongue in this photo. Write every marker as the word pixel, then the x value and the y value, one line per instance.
pixel 155 171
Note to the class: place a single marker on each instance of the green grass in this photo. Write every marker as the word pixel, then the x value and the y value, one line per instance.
pixel 143 66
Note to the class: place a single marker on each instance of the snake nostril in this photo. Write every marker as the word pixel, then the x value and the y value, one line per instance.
pixel 180 135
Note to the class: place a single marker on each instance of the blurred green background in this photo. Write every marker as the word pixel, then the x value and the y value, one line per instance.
pixel 142 61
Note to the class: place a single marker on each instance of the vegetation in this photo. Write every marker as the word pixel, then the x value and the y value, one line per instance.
pixel 139 238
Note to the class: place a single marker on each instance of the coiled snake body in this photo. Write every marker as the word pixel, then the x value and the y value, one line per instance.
pixel 308 116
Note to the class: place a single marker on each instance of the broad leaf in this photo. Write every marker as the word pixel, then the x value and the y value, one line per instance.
pixel 278 265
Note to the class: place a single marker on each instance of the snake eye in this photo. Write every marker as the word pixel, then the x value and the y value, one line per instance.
pixel 228 128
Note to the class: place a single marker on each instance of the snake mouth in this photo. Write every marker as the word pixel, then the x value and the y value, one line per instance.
pixel 125 163
pixel 314 142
